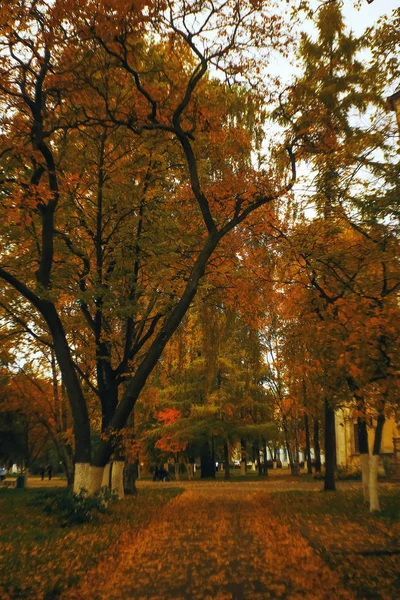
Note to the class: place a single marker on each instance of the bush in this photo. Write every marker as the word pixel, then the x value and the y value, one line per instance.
pixel 347 473
pixel 342 474
pixel 74 509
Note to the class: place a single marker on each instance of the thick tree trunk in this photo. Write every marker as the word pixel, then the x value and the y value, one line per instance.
pixel 207 462
pixel 117 478
pixel 226 461
pixel 189 468
pixel 330 447
pixel 81 424
pixel 87 478
pixel 131 473
pixel 308 447
pixel 317 447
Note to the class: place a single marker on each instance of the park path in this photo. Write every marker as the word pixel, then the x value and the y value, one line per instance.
pixel 217 542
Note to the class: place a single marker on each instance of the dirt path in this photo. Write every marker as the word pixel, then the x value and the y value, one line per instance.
pixel 213 542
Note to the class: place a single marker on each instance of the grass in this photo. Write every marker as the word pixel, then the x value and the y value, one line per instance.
pixel 39 559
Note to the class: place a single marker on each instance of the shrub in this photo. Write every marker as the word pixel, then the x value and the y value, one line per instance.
pixel 342 474
pixel 74 509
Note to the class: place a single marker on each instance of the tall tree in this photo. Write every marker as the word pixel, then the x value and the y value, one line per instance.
pixel 110 118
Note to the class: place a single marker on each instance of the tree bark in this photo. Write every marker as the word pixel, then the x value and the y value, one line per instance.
pixel 226 461
pixel 374 464
pixel 330 447
pixel 207 462
pixel 131 473
pixel 317 448
pixel 308 447
pixel 364 455
pixel 264 449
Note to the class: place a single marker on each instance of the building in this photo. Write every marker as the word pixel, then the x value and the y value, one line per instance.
pixel 347 450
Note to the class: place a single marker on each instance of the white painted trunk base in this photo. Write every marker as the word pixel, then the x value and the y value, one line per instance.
pixel 243 468
pixel 87 478
pixel 105 482
pixel 373 483
pixel 364 461
pixel 117 478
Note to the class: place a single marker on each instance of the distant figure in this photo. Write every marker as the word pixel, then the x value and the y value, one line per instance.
pixel 42 471
pixel 49 470
pixel 160 474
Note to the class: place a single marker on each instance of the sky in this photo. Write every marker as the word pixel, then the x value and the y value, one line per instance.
pixel 359 20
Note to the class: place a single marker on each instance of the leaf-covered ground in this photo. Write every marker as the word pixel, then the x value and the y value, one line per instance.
pixel 216 540
pixel 228 541
pixel 364 549
pixel 39 559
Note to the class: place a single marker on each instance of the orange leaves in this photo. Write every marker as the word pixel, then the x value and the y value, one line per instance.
pixel 169 416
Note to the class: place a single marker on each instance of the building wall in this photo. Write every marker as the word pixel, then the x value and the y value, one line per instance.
pixel 346 450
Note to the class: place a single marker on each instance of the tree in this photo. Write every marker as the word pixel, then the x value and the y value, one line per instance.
pixel 102 104
pixel 345 155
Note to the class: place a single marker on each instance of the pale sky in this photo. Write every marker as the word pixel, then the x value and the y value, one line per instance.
pixel 359 20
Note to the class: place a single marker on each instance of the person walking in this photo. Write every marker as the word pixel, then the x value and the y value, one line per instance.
pixel 42 471
pixel 49 470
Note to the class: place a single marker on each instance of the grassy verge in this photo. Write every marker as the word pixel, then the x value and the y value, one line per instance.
pixel 363 547
pixel 39 559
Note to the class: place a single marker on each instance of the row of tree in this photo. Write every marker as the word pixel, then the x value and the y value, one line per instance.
pixel 150 165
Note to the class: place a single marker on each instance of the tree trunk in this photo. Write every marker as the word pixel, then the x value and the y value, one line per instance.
pixel 374 464
pixel 317 448
pixel 207 462
pixel 226 461
pixel 189 468
pixel 259 465
pixel 74 391
pixel 243 457
pixel 87 478
pixel 264 449
pixel 131 473
pixel 330 447
pixel 117 478
pixel 364 455
pixel 308 447
pixel 177 474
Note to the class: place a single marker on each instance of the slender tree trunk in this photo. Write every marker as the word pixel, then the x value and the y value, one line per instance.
pixel 264 448
pixel 308 447
pixel 330 447
pixel 243 458
pixel 176 468
pixel 317 447
pixel 226 461
pixel 257 456
pixel 374 464
pixel 364 455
